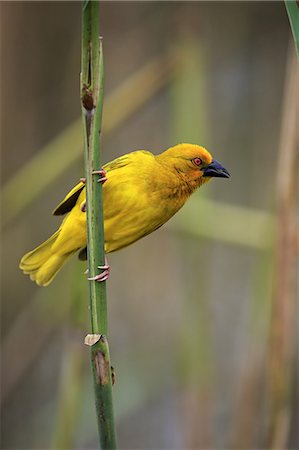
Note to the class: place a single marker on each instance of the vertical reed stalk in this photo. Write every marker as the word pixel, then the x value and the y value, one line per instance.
pixel 284 307
pixel 92 77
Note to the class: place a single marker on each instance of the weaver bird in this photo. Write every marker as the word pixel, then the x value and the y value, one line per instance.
pixel 142 192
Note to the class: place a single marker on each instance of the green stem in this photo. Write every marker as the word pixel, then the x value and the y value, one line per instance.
pixel 92 80
pixel 293 13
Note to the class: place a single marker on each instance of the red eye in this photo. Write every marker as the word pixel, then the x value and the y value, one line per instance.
pixel 197 161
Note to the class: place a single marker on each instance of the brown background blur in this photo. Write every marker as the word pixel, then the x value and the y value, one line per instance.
pixel 189 306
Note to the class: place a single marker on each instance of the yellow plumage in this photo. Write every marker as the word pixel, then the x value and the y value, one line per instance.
pixel 141 193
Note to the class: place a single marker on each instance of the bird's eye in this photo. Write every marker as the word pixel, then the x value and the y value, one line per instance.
pixel 197 161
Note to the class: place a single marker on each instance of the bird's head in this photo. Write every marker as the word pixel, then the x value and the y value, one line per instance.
pixel 193 163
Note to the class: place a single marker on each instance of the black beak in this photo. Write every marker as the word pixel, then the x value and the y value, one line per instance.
pixel 215 169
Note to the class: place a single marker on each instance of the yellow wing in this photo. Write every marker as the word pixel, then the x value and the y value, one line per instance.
pixel 69 201
pixel 130 208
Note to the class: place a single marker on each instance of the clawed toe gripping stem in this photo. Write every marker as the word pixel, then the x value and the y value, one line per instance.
pixel 101 172
pixel 104 275
pixel 102 180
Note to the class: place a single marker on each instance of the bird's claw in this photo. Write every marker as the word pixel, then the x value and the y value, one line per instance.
pixel 102 180
pixel 101 172
pixel 100 277
pixel 103 276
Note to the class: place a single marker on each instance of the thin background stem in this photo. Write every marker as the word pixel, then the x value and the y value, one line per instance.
pixel 282 342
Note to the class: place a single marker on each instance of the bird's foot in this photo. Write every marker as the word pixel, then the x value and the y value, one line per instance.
pixel 101 172
pixel 102 178
pixel 104 275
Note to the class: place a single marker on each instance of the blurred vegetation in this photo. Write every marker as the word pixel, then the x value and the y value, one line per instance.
pixel 217 367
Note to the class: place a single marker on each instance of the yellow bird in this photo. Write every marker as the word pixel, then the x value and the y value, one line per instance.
pixel 142 192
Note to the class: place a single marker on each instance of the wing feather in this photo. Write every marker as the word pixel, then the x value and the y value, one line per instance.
pixel 69 200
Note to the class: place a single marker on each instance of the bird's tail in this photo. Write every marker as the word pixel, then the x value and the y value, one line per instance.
pixel 42 263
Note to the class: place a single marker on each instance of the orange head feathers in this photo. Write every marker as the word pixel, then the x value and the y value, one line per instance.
pixel 192 163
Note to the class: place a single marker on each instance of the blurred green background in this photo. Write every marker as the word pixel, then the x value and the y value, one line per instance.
pixel 204 356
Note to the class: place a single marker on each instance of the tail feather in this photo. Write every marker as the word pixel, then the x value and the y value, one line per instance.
pixel 42 263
